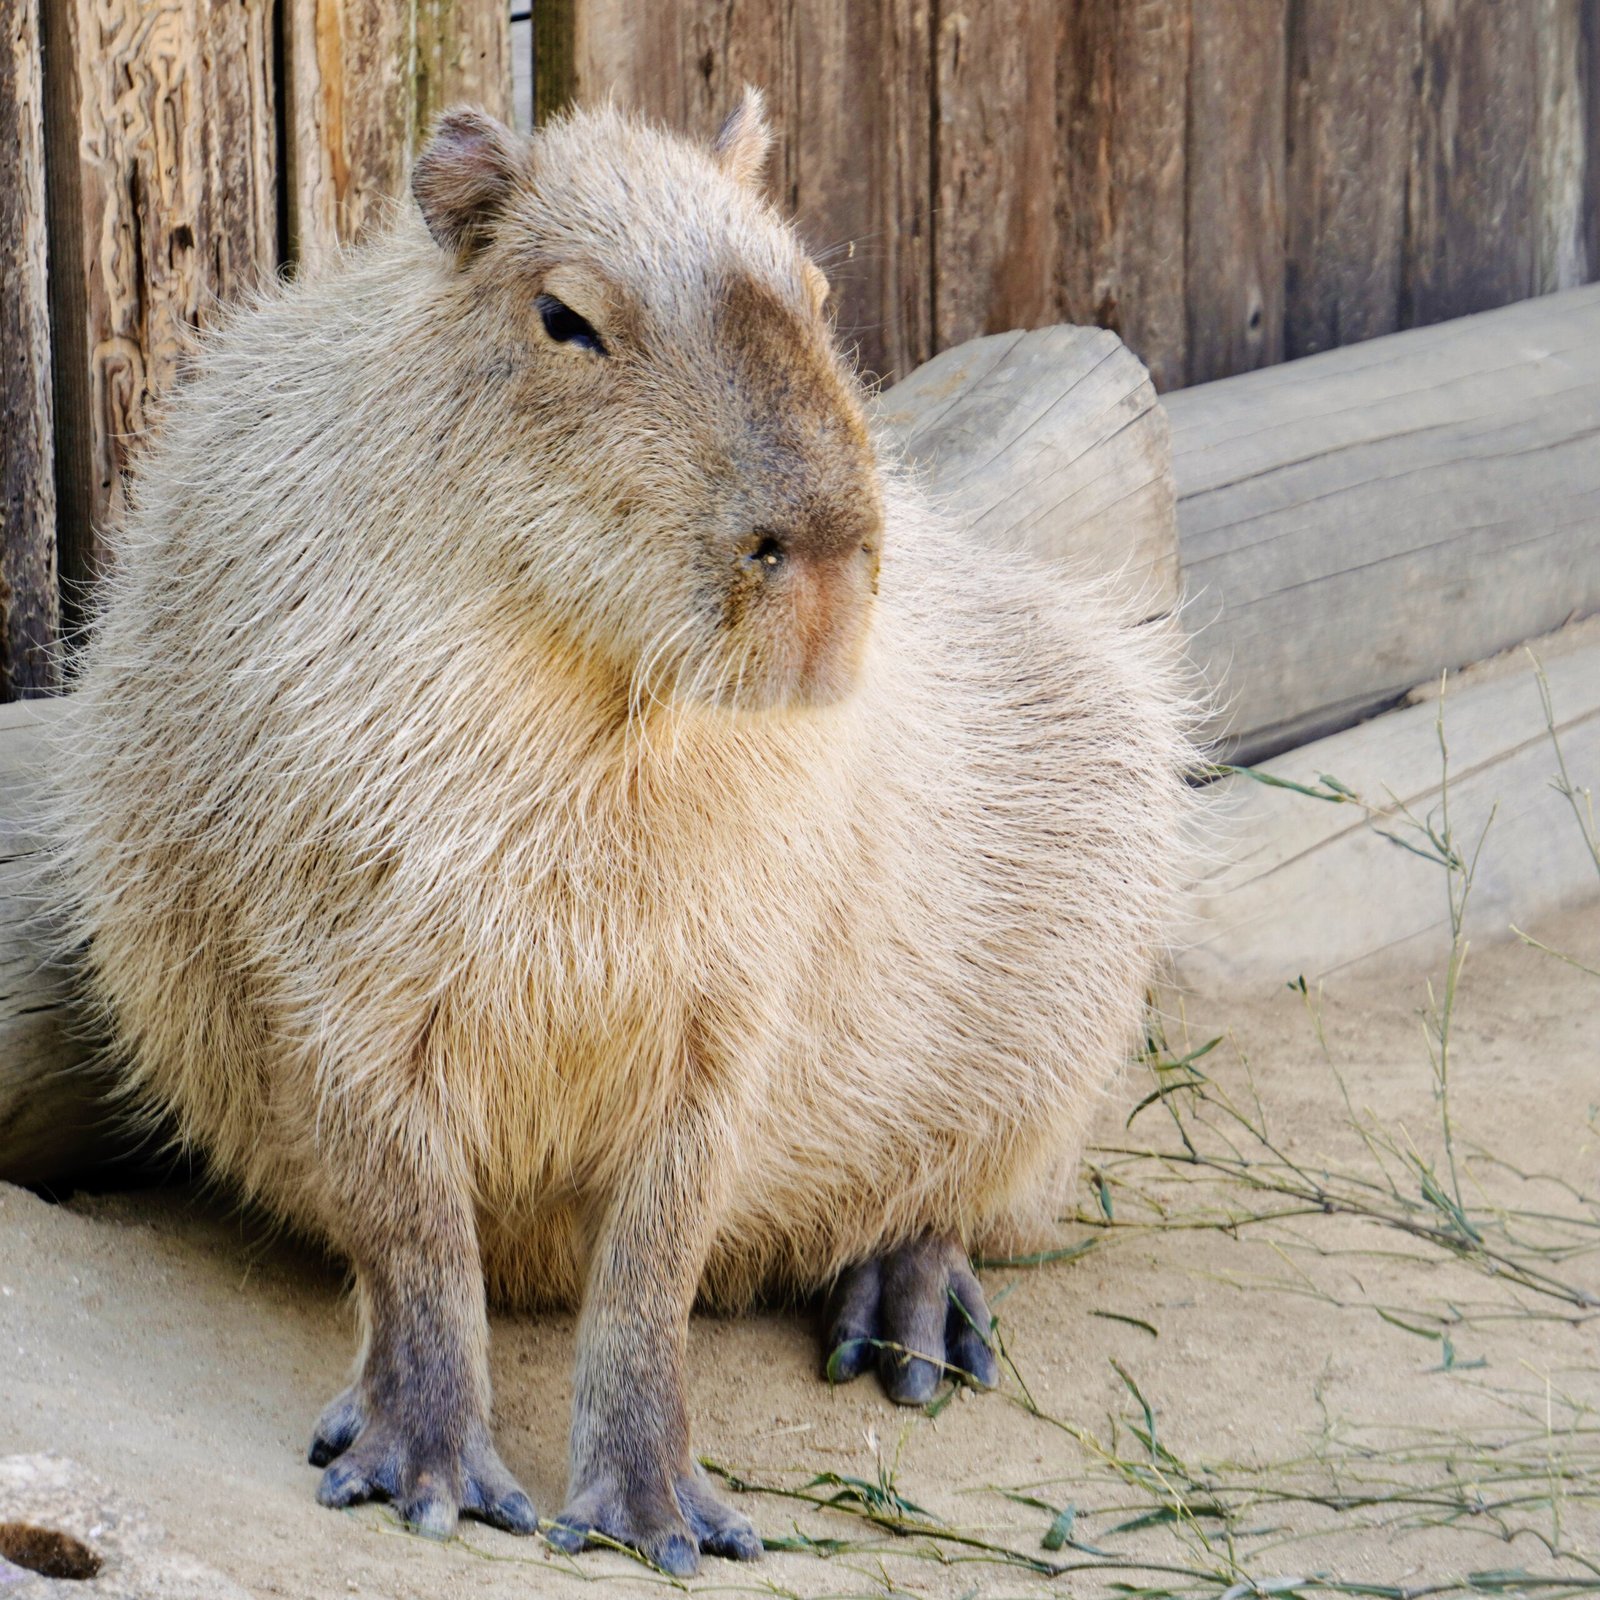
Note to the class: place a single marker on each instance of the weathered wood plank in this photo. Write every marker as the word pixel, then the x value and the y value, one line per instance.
pixel 29 605
pixel 522 73
pixel 860 136
pixel 1123 106
pixel 1589 69
pixel 1303 887
pixel 1051 442
pixel 363 81
pixel 1234 252
pixel 1352 523
pixel 995 255
pixel 1349 145
pixel 1471 241
pixel 162 146
pixel 1561 159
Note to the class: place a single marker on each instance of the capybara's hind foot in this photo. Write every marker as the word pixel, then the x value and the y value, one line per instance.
pixel 671 1536
pixel 918 1315
pixel 372 1455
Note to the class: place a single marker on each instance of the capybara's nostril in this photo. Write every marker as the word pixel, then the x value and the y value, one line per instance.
pixel 769 552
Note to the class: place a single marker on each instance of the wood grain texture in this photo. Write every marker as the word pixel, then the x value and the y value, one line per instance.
pixel 1379 908
pixel 1051 442
pixel 1561 157
pixel 1353 523
pixel 860 137
pixel 364 79
pixel 164 112
pixel 1350 70
pixel 1589 70
pixel 996 167
pixel 1234 253
pixel 1472 235
pixel 29 606
pixel 1123 102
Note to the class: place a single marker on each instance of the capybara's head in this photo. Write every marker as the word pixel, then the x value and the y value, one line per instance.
pixel 704 504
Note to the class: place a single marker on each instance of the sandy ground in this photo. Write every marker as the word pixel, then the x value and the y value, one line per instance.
pixel 181 1352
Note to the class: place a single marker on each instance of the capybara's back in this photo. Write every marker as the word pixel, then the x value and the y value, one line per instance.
pixel 547 800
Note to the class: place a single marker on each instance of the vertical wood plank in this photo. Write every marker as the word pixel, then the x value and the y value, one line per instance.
pixel 1124 102
pixel 1561 159
pixel 29 606
pixel 1589 67
pixel 364 80
pixel 997 167
pixel 161 146
pixel 1236 180
pixel 1471 242
pixel 859 129
pixel 1349 146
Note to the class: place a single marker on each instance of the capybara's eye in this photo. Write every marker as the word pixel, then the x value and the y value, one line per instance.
pixel 565 326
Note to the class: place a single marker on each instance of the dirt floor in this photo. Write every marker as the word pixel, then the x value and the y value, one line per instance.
pixel 1358 1399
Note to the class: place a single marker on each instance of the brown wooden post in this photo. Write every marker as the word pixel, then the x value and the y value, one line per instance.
pixel 1234 257
pixel 363 80
pixel 29 605
pixel 1471 239
pixel 996 168
pixel 1121 123
pixel 1351 71
pixel 163 206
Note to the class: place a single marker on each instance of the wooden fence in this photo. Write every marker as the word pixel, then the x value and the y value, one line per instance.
pixel 1224 182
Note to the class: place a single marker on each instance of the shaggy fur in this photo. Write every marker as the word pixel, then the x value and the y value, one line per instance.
pixel 485 848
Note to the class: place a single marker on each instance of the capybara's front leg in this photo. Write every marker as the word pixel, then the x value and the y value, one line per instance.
pixel 633 1478
pixel 414 1426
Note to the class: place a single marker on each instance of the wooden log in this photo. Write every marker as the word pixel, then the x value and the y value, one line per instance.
pixel 1122 110
pixel 1051 442
pixel 1302 887
pixel 364 79
pixel 1353 523
pixel 161 134
pixel 29 608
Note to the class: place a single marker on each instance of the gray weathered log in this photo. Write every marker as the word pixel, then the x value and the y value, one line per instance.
pixel 1353 523
pixel 1305 887
pixel 1050 440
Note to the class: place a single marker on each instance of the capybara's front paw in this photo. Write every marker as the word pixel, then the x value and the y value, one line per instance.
pixel 371 1453
pixel 669 1529
pixel 918 1315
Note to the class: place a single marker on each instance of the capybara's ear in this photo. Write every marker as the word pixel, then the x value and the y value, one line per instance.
pixel 743 140
pixel 464 176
